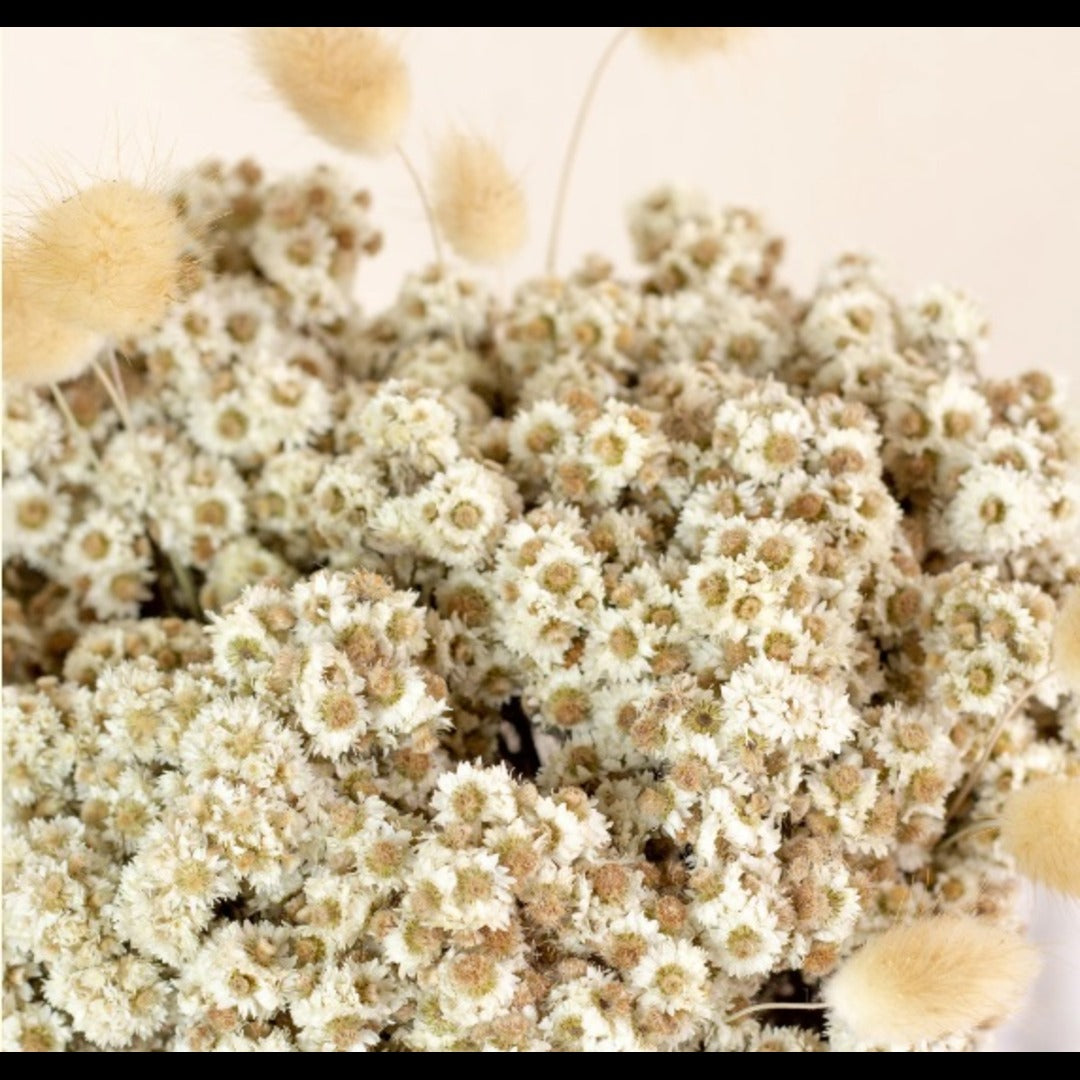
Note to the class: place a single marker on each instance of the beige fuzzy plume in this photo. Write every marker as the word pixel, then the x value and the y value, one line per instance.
pixel 349 84
pixel 930 978
pixel 1040 828
pixel 37 348
pixel 478 204
pixel 689 42
pixel 108 259
pixel 1066 642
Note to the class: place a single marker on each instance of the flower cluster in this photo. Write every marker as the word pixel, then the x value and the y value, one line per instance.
pixel 561 673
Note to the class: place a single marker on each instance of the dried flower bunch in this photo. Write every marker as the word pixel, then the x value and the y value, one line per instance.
pixel 654 661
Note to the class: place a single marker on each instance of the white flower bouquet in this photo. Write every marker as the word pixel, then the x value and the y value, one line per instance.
pixel 650 660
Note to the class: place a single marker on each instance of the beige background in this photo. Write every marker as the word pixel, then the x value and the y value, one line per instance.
pixel 951 153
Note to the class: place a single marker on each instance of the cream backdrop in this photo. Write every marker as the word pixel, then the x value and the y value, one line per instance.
pixel 951 153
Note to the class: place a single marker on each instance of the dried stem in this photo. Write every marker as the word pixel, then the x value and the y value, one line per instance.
pixel 114 367
pixel 187 587
pixel 185 583
pixel 969 830
pixel 973 776
pixel 429 213
pixel 414 174
pixel 769 1006
pixel 575 139
pixel 115 395
pixel 69 417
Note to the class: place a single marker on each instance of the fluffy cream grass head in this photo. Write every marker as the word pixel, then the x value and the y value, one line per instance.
pixel 1066 642
pixel 349 84
pixel 37 348
pixel 679 43
pixel 108 259
pixel 1040 827
pixel 931 978
pixel 478 205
